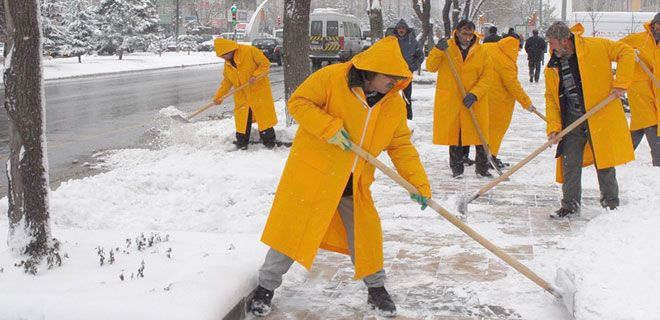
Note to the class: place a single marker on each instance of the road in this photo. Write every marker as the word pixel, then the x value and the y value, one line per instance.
pixel 86 115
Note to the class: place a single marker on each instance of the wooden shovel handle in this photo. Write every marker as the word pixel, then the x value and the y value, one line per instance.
pixel 538 113
pixel 232 91
pixel 475 122
pixel 646 69
pixel 455 221
pixel 545 146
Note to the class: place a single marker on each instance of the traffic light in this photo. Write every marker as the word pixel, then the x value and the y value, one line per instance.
pixel 233 15
pixel 279 20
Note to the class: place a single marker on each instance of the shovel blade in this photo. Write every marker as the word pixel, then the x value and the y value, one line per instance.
pixel 565 281
pixel 180 118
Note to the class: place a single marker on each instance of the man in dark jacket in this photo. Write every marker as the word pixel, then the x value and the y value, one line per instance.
pixel 492 35
pixel 535 48
pixel 512 33
pixel 412 53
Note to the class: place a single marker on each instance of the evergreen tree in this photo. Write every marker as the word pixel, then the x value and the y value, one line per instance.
pixel 80 28
pixel 55 42
pixel 124 22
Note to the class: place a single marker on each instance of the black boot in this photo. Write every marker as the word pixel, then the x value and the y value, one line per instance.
pixel 564 213
pixel 498 163
pixel 483 172
pixel 259 303
pixel 381 301
pixel 268 138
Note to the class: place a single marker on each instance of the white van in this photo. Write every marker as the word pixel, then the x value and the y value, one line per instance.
pixel 278 33
pixel 333 36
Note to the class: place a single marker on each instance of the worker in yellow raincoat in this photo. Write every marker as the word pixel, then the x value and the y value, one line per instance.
pixel 452 123
pixel 504 91
pixel 323 198
pixel 247 65
pixel 577 78
pixel 643 95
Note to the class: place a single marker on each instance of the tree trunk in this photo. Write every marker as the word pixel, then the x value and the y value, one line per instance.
pixel 27 168
pixel 296 42
pixel 79 58
pixel 375 20
pixel 466 11
pixel 121 52
pixel 424 15
pixel 445 18
pixel 456 12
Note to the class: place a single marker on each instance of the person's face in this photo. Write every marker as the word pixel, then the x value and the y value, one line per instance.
pixel 465 36
pixel 656 30
pixel 381 83
pixel 402 31
pixel 562 48
pixel 228 56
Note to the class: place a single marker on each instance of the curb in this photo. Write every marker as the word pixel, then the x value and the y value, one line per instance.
pixel 90 75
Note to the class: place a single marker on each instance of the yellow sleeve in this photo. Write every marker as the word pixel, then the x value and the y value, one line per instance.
pixel 406 159
pixel 624 55
pixel 552 111
pixel 263 64
pixel 485 78
pixel 224 87
pixel 512 84
pixel 434 60
pixel 308 107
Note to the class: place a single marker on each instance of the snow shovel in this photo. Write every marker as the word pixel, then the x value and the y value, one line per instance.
pixel 211 104
pixel 538 113
pixel 566 289
pixel 464 200
pixel 646 69
pixel 484 143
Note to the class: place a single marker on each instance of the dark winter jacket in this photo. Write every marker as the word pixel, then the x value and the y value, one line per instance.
pixel 493 37
pixel 410 48
pixel 535 47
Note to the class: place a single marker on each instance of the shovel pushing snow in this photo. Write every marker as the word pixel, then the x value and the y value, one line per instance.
pixel 211 104
pixel 464 200
pixel 565 291
pixel 646 69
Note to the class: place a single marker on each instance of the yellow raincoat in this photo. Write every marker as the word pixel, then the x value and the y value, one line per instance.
pixel 250 62
pixel 608 128
pixel 304 215
pixel 451 117
pixel 643 95
pixel 505 89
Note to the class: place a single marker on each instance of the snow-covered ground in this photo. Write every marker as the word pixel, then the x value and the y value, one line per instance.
pixel 205 205
pixel 94 64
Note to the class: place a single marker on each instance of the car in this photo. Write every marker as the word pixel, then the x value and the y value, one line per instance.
pixel 171 46
pixel 205 46
pixel 271 47
pixel 236 36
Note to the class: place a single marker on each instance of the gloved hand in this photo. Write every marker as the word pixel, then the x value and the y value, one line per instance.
pixel 217 101
pixel 424 201
pixel 469 100
pixel 442 44
pixel 341 139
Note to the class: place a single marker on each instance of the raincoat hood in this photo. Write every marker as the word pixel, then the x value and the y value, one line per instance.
pixel 401 23
pixel 223 46
pixel 510 47
pixel 647 26
pixel 386 49
pixel 577 29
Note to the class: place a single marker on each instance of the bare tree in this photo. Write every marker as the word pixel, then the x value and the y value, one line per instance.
pixel 27 167
pixel 445 17
pixel 424 14
pixel 375 20
pixel 296 60
pixel 595 11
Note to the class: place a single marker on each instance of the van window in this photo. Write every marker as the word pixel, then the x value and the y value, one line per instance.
pixel 332 28
pixel 316 28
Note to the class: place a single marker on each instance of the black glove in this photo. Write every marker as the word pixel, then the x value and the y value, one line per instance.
pixel 469 100
pixel 442 44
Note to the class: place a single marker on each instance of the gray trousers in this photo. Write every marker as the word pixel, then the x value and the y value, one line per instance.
pixel 653 140
pixel 277 264
pixel 572 156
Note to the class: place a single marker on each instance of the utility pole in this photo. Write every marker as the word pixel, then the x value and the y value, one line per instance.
pixel 540 16
pixel 563 11
pixel 176 26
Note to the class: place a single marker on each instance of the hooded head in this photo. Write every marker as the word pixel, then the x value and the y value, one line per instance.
pixel 510 47
pixel 654 26
pixel 224 46
pixel 385 57
pixel 401 28
pixel 492 30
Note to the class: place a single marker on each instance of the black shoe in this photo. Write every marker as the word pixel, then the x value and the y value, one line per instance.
pixel 609 204
pixel 531 80
pixel 457 175
pixel 498 163
pixel 467 161
pixel 259 303
pixel 484 173
pixel 381 301
pixel 564 213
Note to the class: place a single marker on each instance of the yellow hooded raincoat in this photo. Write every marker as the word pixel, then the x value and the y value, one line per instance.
pixel 643 95
pixel 505 89
pixel 304 214
pixel 610 139
pixel 451 119
pixel 250 62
